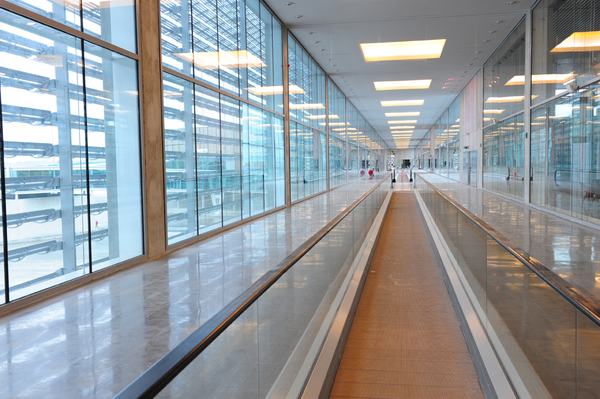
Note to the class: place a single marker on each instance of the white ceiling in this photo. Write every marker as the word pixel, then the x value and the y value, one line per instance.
pixel 332 30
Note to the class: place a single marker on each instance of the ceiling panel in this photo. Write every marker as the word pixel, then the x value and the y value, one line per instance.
pixel 331 31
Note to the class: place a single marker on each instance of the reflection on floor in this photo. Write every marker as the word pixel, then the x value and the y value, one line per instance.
pixel 570 249
pixel 537 327
pixel 95 340
pixel 405 341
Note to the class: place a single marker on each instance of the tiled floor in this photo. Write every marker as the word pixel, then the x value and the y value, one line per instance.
pixel 405 340
pixel 95 340
pixel 570 249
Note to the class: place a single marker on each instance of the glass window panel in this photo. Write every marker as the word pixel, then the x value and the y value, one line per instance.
pixel 114 156
pixel 233 60
pixel 180 162
pixel 205 45
pixel 43 126
pixel 231 159
pixel 502 98
pixel 278 134
pixel 208 159
pixel 112 21
pixel 176 32
pixel 64 12
pixel 562 46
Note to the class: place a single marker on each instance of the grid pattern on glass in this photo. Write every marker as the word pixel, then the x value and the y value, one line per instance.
pixel 503 157
pixel 111 21
pixel 229 44
pixel 224 159
pixel 71 155
pixel 565 46
pixel 564 155
pixel 454 139
pixel 307 161
pixel 306 87
pixel 501 97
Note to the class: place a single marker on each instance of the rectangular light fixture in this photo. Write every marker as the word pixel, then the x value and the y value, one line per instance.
pixel 493 111
pixel 507 99
pixel 322 117
pixel 410 50
pixel 306 106
pixel 222 59
pixel 272 90
pixel 402 127
pixel 541 79
pixel 334 124
pixel 401 103
pixel 402 122
pixel 339 130
pixel 579 41
pixel 395 114
pixel 403 85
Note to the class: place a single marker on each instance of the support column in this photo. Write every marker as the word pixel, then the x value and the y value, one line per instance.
pixel 152 127
pixel 286 117
pixel 527 110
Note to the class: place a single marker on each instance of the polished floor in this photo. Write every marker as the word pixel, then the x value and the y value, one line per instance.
pixel 94 340
pixel 405 340
pixel 570 249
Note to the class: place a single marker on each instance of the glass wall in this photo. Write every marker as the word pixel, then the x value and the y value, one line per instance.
pixel 503 157
pixel 504 78
pixel 71 145
pixel 308 145
pixel 224 159
pixel 337 136
pixel 454 140
pixel 563 50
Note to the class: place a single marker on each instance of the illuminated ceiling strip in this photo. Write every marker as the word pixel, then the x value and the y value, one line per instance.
pixel 541 79
pixel 222 59
pixel 578 42
pixel 395 114
pixel 401 103
pixel 409 50
pixel 401 122
pixel 403 85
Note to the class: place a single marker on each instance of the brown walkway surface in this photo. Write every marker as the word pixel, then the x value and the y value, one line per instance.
pixel 405 341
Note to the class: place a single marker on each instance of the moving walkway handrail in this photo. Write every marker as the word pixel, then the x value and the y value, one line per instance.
pixel 158 376
pixel 570 292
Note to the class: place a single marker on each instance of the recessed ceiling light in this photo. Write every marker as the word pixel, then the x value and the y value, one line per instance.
pixel 290 3
pixel 507 99
pixel 579 41
pixel 487 41
pixel 493 111
pixel 322 117
pixel 512 3
pixel 402 127
pixel 499 22
pixel 393 114
pixel 491 32
pixel 411 50
pixel 271 90
pixel 401 103
pixel 403 84
pixel 402 122
pixel 222 59
pixel 306 106
pixel 541 79
pixel 299 16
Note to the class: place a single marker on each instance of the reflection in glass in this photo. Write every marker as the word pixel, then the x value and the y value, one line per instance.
pixel 565 46
pixel 179 159
pixel 71 156
pixel 503 98
pixel 114 157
